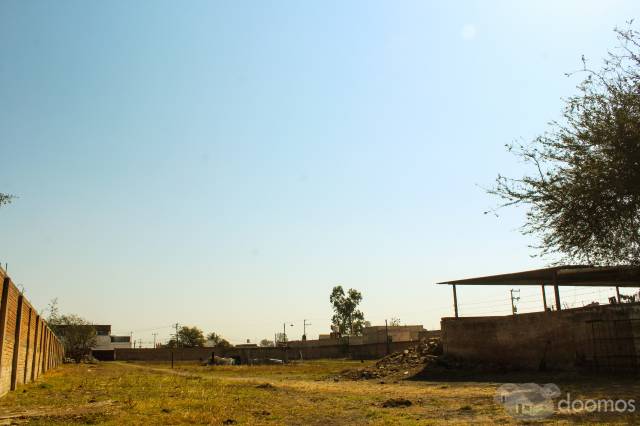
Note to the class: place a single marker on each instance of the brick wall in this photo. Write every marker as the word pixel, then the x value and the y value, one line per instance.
pixel 23 355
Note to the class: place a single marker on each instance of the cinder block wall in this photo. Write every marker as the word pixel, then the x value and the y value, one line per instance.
pixel 306 352
pixel 28 348
pixel 594 338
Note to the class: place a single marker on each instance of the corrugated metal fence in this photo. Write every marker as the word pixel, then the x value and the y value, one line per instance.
pixel 28 347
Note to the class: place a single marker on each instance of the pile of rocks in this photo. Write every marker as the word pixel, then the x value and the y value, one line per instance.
pixel 402 364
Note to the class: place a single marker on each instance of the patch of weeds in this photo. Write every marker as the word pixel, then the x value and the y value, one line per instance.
pixel 166 410
pixel 129 403
pixel 265 386
pixel 229 422
pixel 87 419
pixel 92 418
pixel 396 402
pixel 45 385
pixel 465 408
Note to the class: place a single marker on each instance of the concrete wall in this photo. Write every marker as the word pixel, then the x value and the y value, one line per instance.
pixel 300 351
pixel 397 333
pixel 243 355
pixel 603 338
pixel 28 348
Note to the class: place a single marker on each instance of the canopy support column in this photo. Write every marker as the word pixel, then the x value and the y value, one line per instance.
pixel 557 293
pixel 618 294
pixel 556 290
pixel 544 298
pixel 455 299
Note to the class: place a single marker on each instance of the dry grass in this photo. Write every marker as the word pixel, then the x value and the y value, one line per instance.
pixel 295 394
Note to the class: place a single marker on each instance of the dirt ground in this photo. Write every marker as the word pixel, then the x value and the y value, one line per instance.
pixel 309 393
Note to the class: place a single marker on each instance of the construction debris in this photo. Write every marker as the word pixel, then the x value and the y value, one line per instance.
pixel 401 365
pixel 422 361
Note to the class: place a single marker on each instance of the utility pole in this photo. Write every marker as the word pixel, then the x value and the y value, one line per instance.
pixel 304 329
pixel 284 331
pixel 154 339
pixel 177 337
pixel 386 328
pixel 514 299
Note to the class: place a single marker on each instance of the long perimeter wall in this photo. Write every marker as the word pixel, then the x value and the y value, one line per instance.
pixel 244 355
pixel 28 347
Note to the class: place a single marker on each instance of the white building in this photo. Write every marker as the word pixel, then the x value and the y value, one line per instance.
pixel 105 341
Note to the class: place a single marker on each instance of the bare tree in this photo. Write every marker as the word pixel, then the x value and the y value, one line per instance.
pixel 394 322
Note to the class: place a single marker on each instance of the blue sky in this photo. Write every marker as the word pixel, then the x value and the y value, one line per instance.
pixel 225 164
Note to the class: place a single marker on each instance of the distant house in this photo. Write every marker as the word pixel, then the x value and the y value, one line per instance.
pixel 106 341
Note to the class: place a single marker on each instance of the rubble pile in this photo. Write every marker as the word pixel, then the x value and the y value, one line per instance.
pixel 403 364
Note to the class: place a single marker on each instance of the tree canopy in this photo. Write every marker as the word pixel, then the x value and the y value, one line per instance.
pixel 188 337
pixel 218 341
pixel 77 334
pixel 5 198
pixel 347 318
pixel 583 190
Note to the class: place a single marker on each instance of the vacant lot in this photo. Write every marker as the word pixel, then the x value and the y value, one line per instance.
pixel 299 393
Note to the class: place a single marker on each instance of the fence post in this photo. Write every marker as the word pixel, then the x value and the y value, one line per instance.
pixel 40 349
pixel 25 376
pixel 3 327
pixel 44 350
pixel 16 344
pixel 49 350
pixel 35 349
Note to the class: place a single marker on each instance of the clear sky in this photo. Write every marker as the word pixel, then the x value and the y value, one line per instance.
pixel 225 164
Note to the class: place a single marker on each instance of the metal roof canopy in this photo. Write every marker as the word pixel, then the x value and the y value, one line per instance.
pixel 559 276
